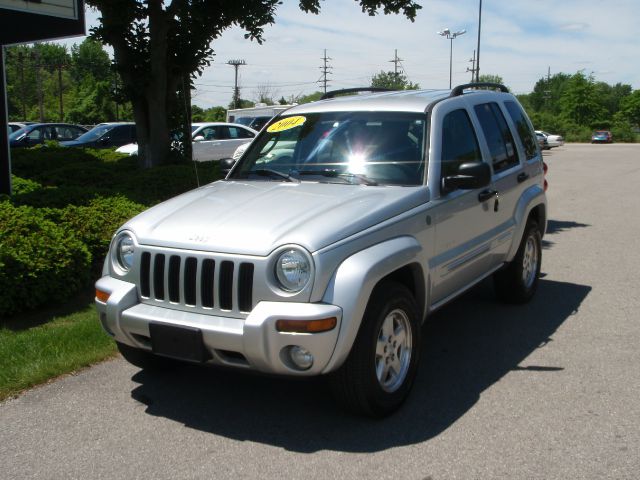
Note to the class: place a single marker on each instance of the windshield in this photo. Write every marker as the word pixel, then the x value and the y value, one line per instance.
pixel 381 148
pixel 243 120
pixel 94 134
pixel 19 133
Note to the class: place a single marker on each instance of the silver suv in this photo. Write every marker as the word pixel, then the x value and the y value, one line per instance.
pixel 345 224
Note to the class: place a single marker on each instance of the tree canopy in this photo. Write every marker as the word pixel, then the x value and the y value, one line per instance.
pixel 393 81
pixel 160 46
pixel 574 105
pixel 45 82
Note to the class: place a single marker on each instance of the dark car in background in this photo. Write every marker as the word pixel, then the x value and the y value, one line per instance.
pixel 38 133
pixel 602 136
pixel 105 135
pixel 254 122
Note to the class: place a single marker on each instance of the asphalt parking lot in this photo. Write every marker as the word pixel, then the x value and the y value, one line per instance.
pixel 550 390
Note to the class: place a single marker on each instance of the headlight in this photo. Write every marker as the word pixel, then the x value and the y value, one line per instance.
pixel 124 249
pixel 293 270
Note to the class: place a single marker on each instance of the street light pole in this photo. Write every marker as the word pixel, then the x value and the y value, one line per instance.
pixel 478 57
pixel 451 36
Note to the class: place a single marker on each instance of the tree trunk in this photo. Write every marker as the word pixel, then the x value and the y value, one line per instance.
pixel 156 148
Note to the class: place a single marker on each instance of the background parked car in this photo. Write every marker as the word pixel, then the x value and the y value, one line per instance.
pixel 552 140
pixel 254 122
pixel 542 141
pixel 38 133
pixel 15 126
pixel 602 136
pixel 105 135
pixel 211 141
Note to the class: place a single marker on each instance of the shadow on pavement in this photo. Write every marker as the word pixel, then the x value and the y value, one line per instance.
pixel 559 226
pixel 467 346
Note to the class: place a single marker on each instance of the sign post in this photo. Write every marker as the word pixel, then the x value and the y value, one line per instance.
pixel 23 21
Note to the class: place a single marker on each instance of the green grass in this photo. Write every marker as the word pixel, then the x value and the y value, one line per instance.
pixel 53 344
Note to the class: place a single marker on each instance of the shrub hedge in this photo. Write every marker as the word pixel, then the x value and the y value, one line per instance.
pixel 40 261
pixel 67 203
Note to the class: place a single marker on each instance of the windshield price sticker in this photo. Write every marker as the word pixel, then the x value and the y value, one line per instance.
pixel 286 124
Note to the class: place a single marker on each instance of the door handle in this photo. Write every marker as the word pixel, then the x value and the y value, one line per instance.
pixel 485 195
pixel 522 177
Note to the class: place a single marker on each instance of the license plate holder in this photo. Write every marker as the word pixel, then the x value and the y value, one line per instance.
pixel 182 343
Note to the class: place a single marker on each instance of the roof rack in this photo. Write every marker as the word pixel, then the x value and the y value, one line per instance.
pixel 334 93
pixel 459 90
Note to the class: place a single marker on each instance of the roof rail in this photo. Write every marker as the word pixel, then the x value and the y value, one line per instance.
pixel 334 93
pixel 459 90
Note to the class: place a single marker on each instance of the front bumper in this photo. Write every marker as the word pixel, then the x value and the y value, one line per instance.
pixel 252 343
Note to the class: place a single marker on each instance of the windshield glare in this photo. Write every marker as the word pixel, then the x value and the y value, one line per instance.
pixel 94 134
pixel 381 148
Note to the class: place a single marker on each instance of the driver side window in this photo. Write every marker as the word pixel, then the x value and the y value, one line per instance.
pixel 459 142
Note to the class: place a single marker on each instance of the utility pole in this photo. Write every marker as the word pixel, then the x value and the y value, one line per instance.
pixel 22 89
pixel 236 92
pixel 395 62
pixel 473 67
pixel 39 83
pixel 325 69
pixel 60 91
pixel 547 92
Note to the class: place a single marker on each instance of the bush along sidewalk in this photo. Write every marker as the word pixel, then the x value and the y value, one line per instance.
pixel 56 228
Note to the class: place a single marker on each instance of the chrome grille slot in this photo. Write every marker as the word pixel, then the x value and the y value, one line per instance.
pixel 174 279
pixel 207 284
pixel 225 285
pixel 188 281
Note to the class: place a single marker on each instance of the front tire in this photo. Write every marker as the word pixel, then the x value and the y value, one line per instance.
pixel 379 372
pixel 518 281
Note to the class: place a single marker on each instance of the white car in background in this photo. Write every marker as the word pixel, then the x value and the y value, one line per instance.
pixel 211 140
pixel 552 140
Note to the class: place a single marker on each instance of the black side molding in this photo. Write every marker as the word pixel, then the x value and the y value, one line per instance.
pixel 459 90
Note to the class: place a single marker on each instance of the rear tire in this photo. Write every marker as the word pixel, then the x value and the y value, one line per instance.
pixel 144 359
pixel 518 281
pixel 379 372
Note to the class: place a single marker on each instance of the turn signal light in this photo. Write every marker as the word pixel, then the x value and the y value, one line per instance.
pixel 102 296
pixel 307 326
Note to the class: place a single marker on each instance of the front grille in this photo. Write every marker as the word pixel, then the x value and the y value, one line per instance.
pixel 202 282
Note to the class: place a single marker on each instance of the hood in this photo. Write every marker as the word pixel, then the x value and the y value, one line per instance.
pixel 254 218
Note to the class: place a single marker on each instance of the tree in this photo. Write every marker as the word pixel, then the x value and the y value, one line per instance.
pixel 579 101
pixel 160 46
pixel 630 109
pixel 393 81
pixel 488 78
pixel 265 93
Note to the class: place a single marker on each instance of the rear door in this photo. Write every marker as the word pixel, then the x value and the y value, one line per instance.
pixel 506 158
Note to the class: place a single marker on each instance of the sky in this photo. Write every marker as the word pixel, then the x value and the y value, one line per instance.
pixel 521 41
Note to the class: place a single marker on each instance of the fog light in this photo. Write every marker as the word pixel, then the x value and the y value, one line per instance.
pixel 301 357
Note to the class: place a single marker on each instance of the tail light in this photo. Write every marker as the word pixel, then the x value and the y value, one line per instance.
pixel 545 167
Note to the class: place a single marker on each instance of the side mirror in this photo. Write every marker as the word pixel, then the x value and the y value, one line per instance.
pixel 470 176
pixel 226 164
pixel 199 138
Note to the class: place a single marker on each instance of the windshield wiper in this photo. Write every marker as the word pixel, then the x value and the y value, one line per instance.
pixel 267 172
pixel 337 174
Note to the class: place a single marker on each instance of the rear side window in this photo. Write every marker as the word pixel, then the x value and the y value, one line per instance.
pixel 501 144
pixel 459 142
pixel 235 132
pixel 525 132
